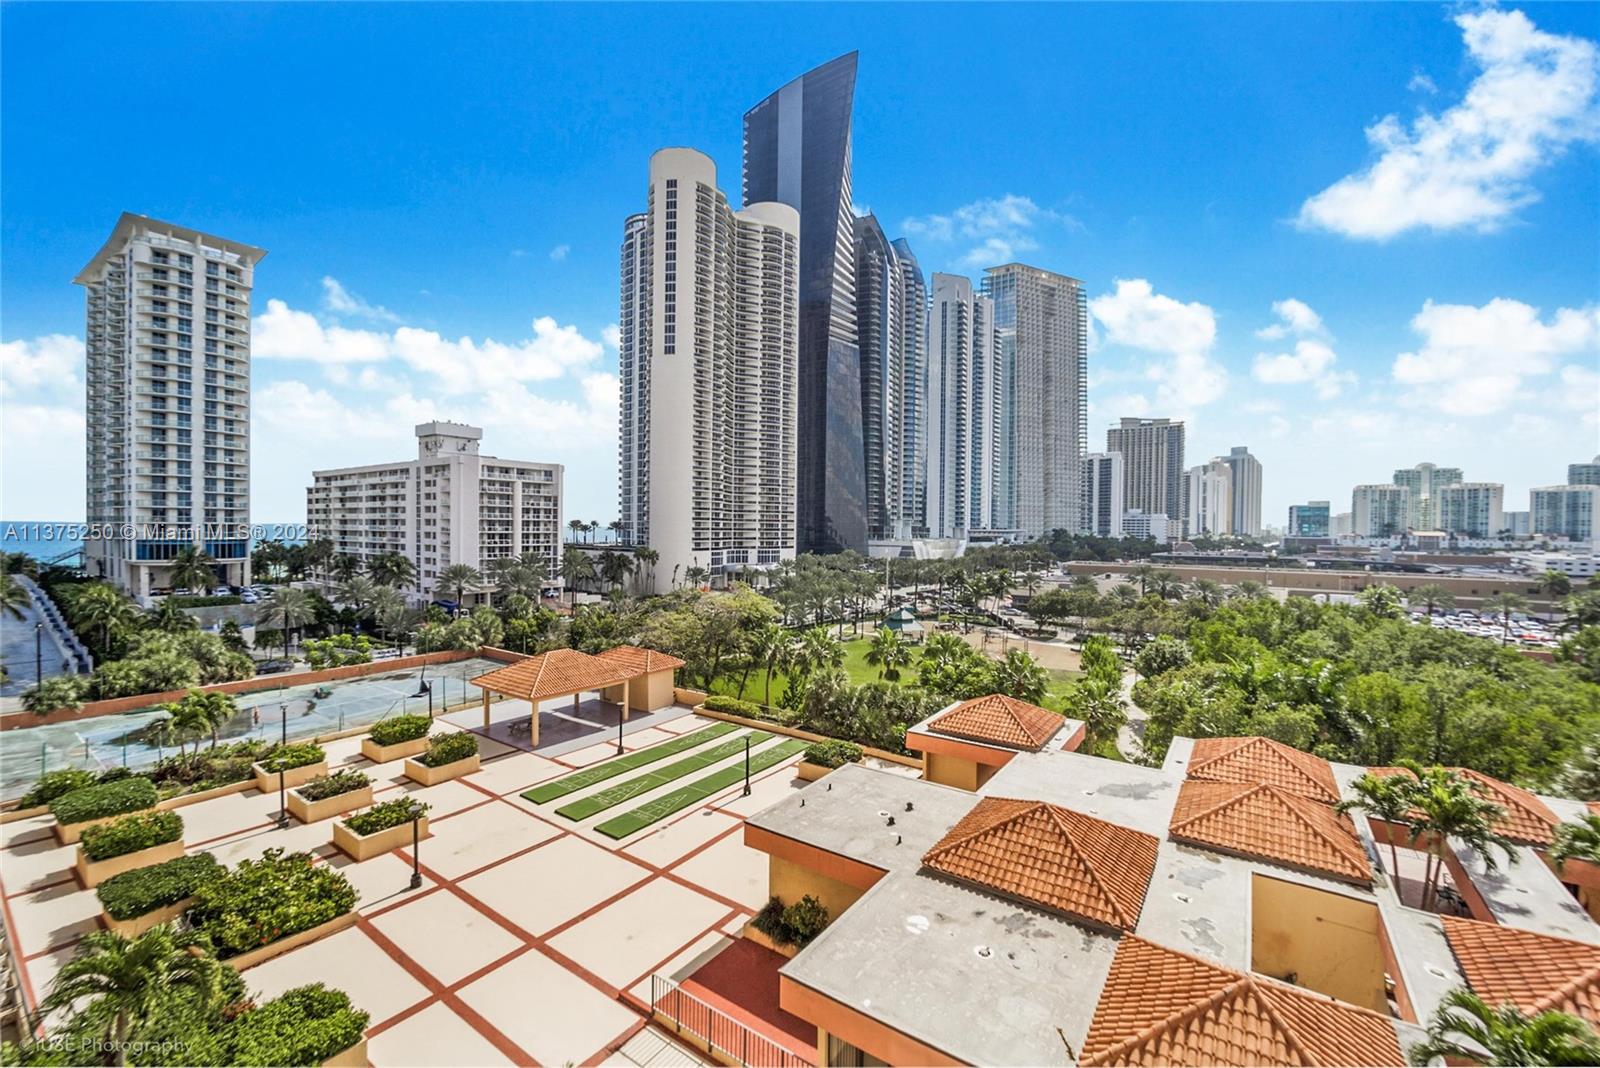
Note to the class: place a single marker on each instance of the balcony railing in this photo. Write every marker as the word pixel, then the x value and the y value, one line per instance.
pixel 721 1033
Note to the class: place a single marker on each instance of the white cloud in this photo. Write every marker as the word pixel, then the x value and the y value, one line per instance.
pixel 1184 334
pixel 1312 358
pixel 283 333
pixel 50 362
pixel 339 300
pixel 1469 165
pixel 1000 225
pixel 559 253
pixel 1473 360
pixel 1296 318
pixel 1421 83
pixel 1309 361
pixel 611 334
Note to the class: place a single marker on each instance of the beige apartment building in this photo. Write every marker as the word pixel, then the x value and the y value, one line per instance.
pixel 450 505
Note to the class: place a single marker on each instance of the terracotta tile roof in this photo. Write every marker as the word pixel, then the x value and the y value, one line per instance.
pixel 1263 760
pixel 1161 1007
pixel 1527 820
pixel 641 659
pixel 1534 972
pixel 1050 856
pixel 999 720
pixel 557 673
pixel 1269 824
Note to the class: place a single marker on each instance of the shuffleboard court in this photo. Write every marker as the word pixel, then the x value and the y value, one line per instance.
pixel 665 805
pixel 594 773
pixel 585 807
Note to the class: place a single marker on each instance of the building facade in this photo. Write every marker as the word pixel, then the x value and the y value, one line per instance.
pixel 797 152
pixel 964 400
pixel 1424 482
pixel 1102 494
pixel 167 404
pixel 1152 463
pixel 1310 520
pixel 1208 500
pixel 1471 509
pixel 449 505
pixel 633 373
pixel 1381 510
pixel 1246 491
pixel 1584 474
pixel 1151 526
pixel 1041 323
pixel 891 303
pixel 711 386
pixel 1564 512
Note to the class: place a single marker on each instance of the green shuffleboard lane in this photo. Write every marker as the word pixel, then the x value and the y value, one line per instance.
pixel 665 805
pixel 585 807
pixel 607 769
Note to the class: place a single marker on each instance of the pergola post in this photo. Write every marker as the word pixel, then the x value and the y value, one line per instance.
pixel 533 725
pixel 627 697
pixel 485 709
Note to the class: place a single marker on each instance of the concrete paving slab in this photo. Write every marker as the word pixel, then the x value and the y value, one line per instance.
pixel 555 882
pixel 732 869
pixel 592 754
pixel 348 961
pixel 296 838
pixel 433 1036
pixel 382 881
pixel 443 799
pixel 31 827
pixel 480 836
pixel 510 774
pixel 632 935
pixel 447 936
pixel 664 846
pixel 223 817
pixel 48 919
pixel 551 1013
pixel 685 963
pixel 33 865
pixel 777 785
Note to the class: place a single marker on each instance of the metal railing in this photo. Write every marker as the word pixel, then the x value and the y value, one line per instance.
pixel 722 1035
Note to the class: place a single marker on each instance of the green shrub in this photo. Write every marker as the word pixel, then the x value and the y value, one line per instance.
pixel 792 925
pixel 114 775
pixel 397 729
pixel 206 601
pixel 208 768
pixel 385 814
pixel 141 830
pixel 448 748
pixel 142 890
pixel 306 1025
pixel 733 706
pixel 52 784
pixel 105 799
pixel 832 753
pixel 293 755
pixel 325 786
pixel 261 901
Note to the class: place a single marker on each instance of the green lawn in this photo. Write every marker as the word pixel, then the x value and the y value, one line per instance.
pixel 585 807
pixel 681 798
pixel 600 772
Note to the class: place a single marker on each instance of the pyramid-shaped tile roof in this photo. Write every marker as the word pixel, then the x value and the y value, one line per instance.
pixel 1257 760
pixel 1534 972
pixel 999 720
pixel 1162 1007
pixel 555 674
pixel 1269 824
pixel 1527 819
pixel 1063 860
pixel 642 659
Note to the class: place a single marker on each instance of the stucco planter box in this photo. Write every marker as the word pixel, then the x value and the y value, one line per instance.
pixel 361 847
pixel 92 873
pixel 811 772
pixel 382 754
pixel 417 771
pixel 283 945
pixel 15 814
pixel 138 925
pixel 760 939
pixel 354 1057
pixel 312 811
pixel 68 833
pixel 267 781
pixel 184 800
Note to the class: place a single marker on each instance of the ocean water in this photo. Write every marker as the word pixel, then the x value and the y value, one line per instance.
pixel 48 539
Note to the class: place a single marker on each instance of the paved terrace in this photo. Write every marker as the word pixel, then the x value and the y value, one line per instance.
pixel 533 938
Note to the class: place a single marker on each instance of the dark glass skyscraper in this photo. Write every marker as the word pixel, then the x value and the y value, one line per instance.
pixel 797 152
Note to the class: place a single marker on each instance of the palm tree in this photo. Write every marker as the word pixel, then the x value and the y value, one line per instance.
pixel 13 596
pixel 458 577
pixel 1207 591
pixel 1142 572
pixel 101 605
pixel 392 569
pixel 1166 584
pixel 1504 603
pixel 576 566
pixel 346 567
pixel 1431 595
pixel 1387 798
pixel 815 650
pixel 318 554
pixel 168 618
pixel 1577 841
pixel 1019 675
pixel 115 984
pixel 577 526
pixel 888 653
pixel 1250 590
pixel 53 692
pixel 1446 805
pixel 1381 600
pixel 765 646
pixel 1555 583
pixel 193 568
pixel 358 592
pixel 593 528
pixel 647 557
pixel 615 567
pixel 1098 702
pixel 615 526
pixel 1465 1029
pixel 290 606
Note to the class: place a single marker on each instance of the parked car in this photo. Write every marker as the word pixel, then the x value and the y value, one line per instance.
pixel 248 598
pixel 273 667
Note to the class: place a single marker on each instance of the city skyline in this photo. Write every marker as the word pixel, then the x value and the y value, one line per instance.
pixel 1468 339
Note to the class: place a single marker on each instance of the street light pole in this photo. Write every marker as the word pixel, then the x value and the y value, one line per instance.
pixel 619 730
pixel 38 652
pixel 283 724
pixel 416 841
pixel 283 809
pixel 747 765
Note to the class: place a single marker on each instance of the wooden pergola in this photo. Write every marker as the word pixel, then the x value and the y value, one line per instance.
pixel 564 672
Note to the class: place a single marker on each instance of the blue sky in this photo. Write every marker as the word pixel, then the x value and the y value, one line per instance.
pixel 1351 237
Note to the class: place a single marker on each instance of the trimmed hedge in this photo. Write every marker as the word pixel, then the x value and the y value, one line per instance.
pixel 381 817
pixel 105 799
pixel 733 706
pixel 261 901
pixel 448 748
pixel 141 830
pixel 306 1025
pixel 293 755
pixel 397 729
pixel 833 753
pixel 325 786
pixel 53 784
pixel 134 893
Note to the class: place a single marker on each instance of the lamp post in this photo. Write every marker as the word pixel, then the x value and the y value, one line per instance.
pixel 747 765
pixel 283 807
pixel 283 724
pixel 38 652
pixel 416 841
pixel 619 727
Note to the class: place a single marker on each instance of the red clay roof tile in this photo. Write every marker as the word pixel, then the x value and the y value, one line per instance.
pixel 999 720
pixel 642 659
pixel 1269 824
pixel 1534 972
pixel 1256 760
pixel 1063 860
pixel 557 673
